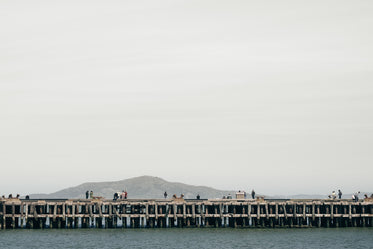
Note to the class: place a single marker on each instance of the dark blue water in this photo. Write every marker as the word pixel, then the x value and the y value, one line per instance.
pixel 189 238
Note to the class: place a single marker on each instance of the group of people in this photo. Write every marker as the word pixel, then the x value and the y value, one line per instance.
pixel 198 197
pixel 89 194
pixel 355 196
pixel 10 196
pixel 334 195
pixel 120 196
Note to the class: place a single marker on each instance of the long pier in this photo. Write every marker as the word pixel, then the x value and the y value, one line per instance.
pixel 157 213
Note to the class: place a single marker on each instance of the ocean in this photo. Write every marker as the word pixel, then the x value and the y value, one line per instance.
pixel 189 238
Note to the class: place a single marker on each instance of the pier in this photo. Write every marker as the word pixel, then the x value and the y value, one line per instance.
pixel 157 213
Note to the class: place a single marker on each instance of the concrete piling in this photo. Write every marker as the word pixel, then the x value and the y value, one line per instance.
pixel 151 213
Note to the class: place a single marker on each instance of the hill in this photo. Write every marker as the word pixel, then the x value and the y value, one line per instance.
pixel 138 187
pixel 154 187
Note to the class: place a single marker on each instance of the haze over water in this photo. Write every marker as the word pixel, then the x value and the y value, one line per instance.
pixel 189 238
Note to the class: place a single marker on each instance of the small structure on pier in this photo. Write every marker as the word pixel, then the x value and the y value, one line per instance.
pixel 240 195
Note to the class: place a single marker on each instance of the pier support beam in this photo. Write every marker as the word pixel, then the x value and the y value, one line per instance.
pixel 71 214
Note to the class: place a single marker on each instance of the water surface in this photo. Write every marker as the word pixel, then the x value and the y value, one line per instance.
pixel 189 238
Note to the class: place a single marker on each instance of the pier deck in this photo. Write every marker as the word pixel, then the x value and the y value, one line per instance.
pixel 152 213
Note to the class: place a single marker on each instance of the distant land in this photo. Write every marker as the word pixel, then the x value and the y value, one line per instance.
pixel 153 188
pixel 137 187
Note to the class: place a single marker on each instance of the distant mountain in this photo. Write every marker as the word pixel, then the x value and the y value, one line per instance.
pixel 138 187
pixel 154 187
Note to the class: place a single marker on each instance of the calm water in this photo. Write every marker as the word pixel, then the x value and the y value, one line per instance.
pixel 189 238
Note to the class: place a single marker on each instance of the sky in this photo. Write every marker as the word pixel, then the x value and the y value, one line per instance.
pixel 271 95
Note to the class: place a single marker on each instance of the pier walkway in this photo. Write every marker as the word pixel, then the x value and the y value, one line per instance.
pixel 154 213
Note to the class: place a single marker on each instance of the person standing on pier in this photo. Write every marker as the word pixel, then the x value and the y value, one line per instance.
pixel 339 194
pixel 91 194
pixel 253 194
pixel 87 194
pixel 165 194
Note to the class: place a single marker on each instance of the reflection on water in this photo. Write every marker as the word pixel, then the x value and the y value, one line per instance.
pixel 189 238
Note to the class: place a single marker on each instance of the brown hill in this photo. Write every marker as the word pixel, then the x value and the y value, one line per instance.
pixel 138 187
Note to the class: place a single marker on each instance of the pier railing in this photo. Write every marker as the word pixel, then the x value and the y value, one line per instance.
pixel 78 213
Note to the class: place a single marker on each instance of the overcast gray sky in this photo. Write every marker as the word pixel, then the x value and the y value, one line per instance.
pixel 271 95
